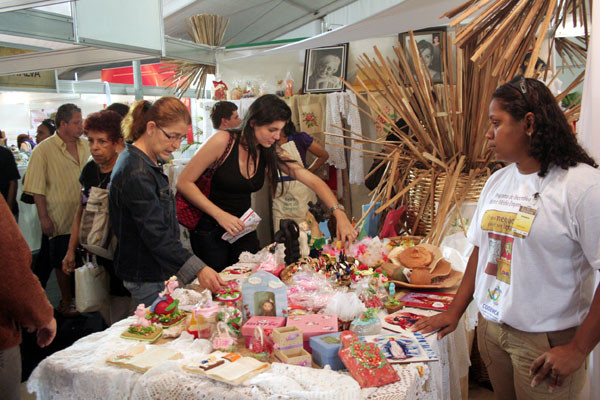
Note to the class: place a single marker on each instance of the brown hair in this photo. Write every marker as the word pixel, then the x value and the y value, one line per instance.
pixel 164 111
pixel 105 121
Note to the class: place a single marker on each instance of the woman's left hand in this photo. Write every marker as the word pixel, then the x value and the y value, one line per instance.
pixel 345 230
pixel 557 364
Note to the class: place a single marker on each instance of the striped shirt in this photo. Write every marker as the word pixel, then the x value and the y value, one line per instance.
pixel 54 173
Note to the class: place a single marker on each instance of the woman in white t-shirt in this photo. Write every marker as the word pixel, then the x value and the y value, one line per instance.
pixel 536 234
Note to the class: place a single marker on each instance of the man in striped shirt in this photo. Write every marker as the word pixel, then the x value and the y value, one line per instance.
pixel 53 180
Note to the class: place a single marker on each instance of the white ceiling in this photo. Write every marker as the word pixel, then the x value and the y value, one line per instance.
pixel 251 21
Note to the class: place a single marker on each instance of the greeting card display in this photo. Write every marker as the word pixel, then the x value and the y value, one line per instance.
pixel 402 321
pixel 264 295
pixel 403 348
pixel 142 358
pixel 230 368
pixel 428 301
pixel 325 350
pixel 313 325
pixel 366 362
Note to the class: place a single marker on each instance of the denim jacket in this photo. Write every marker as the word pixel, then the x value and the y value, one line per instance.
pixel 142 212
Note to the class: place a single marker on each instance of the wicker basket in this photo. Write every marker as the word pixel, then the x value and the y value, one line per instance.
pixel 422 199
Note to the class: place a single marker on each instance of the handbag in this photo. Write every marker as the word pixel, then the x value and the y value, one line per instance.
pixel 91 287
pixel 95 232
pixel 188 214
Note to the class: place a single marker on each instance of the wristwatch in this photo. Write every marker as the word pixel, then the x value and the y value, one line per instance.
pixel 336 207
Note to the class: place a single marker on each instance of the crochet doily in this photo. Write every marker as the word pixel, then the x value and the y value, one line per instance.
pixel 81 371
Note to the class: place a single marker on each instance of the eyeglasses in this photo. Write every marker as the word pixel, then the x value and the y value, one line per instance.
pixel 172 138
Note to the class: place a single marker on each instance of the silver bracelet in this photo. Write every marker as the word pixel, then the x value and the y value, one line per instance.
pixel 336 207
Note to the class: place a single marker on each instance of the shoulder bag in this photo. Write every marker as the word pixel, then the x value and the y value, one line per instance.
pixel 189 215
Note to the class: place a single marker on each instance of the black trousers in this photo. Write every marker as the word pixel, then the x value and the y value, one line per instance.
pixel 216 252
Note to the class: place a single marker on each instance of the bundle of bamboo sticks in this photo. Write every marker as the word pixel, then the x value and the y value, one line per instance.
pixel 203 29
pixel 443 160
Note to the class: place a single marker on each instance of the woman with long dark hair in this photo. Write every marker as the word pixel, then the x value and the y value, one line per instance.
pixel 252 156
pixel 536 235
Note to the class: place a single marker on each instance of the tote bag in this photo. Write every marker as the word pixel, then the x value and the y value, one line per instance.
pixel 91 287
pixel 189 215
pixel 95 232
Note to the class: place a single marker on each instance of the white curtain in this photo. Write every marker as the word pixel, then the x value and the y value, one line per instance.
pixel 589 137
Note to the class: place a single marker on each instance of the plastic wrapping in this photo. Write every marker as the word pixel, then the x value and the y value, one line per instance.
pixel 309 291
pixel 347 306
pixel 365 362
pixel 367 323
pixel 222 339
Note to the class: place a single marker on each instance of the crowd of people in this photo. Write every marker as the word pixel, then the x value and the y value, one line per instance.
pixel 549 177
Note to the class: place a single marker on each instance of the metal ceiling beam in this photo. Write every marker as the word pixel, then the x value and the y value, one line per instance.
pixel 69 58
pixel 82 87
pixel 190 51
pixel 55 27
pixel 12 5
pixel 38 25
pixel 303 20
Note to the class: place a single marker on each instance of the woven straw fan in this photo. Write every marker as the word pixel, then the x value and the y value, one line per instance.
pixel 203 29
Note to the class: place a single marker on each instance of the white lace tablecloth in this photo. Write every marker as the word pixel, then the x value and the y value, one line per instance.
pixel 81 372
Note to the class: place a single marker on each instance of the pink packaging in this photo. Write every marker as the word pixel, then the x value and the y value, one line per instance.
pixel 267 323
pixel 313 325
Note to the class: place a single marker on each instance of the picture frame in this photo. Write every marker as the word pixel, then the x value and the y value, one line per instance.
pixel 430 43
pixel 323 66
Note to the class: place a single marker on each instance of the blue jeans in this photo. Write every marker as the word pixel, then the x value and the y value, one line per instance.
pixel 144 292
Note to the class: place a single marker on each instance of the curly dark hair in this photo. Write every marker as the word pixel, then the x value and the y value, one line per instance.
pixel 104 121
pixel 552 140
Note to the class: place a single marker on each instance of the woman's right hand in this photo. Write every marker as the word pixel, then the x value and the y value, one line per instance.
pixel 445 322
pixel 68 264
pixel 232 224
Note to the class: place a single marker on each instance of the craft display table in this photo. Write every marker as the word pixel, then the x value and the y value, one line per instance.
pixel 81 371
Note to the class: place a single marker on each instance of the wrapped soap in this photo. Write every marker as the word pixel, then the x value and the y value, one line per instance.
pixel 367 323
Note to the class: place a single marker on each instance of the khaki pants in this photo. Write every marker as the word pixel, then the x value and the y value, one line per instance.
pixel 508 354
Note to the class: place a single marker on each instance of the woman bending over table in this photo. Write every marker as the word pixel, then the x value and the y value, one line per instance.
pixel 252 156
pixel 142 207
pixel 536 233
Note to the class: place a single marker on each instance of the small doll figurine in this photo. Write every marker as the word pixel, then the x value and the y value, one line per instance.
pixel 268 308
pixel 140 312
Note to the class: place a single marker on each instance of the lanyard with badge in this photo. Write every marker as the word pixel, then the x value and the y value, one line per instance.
pixel 524 219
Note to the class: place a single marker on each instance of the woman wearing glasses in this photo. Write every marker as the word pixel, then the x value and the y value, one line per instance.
pixel 536 235
pixel 142 207
pixel 252 157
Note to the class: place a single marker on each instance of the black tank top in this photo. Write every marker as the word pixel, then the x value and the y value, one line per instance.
pixel 230 190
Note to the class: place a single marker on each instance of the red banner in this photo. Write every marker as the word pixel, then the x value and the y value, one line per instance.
pixel 151 75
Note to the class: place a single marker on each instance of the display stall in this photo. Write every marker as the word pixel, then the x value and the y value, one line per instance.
pixel 308 317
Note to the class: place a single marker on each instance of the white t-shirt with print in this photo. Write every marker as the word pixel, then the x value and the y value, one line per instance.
pixel 543 282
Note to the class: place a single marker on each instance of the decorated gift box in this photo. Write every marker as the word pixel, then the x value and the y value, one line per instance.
pixel 268 324
pixel 325 350
pixel 263 294
pixel 313 325
pixel 287 345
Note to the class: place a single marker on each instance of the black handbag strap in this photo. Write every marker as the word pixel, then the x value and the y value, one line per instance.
pixel 221 159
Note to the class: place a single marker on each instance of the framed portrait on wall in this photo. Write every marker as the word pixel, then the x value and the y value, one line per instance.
pixel 429 42
pixel 323 66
